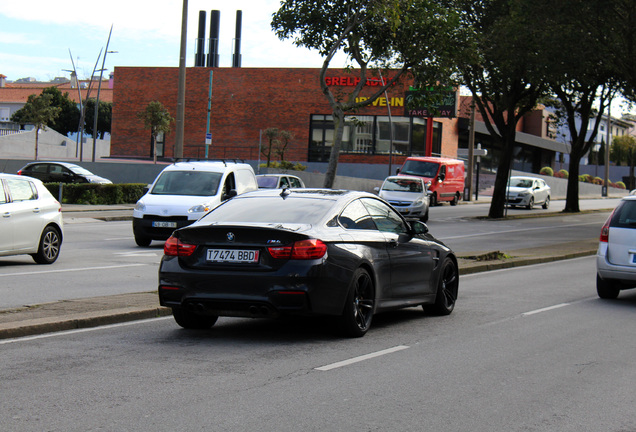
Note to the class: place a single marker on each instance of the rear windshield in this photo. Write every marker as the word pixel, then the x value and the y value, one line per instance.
pixel 293 209
pixel 195 183
pixel 267 182
pixel 420 168
pixel 625 215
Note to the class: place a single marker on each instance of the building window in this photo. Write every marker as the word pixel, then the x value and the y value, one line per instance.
pixel 372 135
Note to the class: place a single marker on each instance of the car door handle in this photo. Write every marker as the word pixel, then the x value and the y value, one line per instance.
pixel 36 210
pixel 393 243
pixel 6 215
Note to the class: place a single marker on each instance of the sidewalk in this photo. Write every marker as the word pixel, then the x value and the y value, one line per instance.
pixel 93 312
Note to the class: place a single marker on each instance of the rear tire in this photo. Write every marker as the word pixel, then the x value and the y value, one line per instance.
pixel 189 320
pixel 447 289
pixel 143 241
pixel 546 204
pixel 455 199
pixel 606 289
pixel 49 248
pixel 358 311
pixel 433 200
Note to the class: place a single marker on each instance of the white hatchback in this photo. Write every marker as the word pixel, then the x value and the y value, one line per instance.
pixel 406 194
pixel 30 219
pixel 527 192
pixel 616 255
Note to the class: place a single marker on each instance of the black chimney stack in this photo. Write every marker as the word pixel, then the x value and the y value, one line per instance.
pixel 236 58
pixel 199 56
pixel 213 55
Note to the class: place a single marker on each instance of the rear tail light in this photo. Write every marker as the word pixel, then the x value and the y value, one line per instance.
pixel 20 172
pixel 175 247
pixel 605 230
pixel 300 250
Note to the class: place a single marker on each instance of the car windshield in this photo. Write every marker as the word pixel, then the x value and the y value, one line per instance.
pixel 196 183
pixel 523 183
pixel 267 182
pixel 402 185
pixel 420 168
pixel 79 170
pixel 292 209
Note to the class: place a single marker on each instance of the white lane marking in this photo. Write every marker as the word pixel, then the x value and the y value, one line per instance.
pixel 84 330
pixel 516 230
pixel 72 270
pixel 136 254
pixel 549 308
pixel 362 358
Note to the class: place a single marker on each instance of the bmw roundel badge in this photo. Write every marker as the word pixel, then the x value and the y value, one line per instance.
pixel 230 236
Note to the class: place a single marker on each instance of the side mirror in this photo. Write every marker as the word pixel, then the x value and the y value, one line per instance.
pixel 397 171
pixel 231 194
pixel 419 227
pixel 441 177
pixel 376 189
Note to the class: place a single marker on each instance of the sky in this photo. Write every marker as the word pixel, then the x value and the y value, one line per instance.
pixel 35 39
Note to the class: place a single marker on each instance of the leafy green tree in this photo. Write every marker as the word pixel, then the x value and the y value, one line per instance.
pixel 623 150
pixel 104 117
pixel 582 80
pixel 68 120
pixel 375 35
pixel 158 119
pixel 272 141
pixel 38 112
pixel 506 78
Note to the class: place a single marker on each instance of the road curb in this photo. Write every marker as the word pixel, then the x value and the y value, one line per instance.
pixel 78 321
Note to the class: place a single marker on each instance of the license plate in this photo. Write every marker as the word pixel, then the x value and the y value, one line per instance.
pixel 157 224
pixel 232 256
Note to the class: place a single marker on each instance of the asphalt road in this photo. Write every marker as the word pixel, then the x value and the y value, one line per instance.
pixel 526 349
pixel 100 258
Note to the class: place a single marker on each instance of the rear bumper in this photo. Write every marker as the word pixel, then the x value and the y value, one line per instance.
pixel 321 290
pixel 609 271
pixel 144 227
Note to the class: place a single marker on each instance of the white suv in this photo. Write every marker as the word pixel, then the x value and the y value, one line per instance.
pixel 616 255
pixel 185 191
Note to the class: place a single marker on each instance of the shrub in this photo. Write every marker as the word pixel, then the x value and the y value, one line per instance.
pixel 588 178
pixel 562 174
pixel 547 171
pixel 101 194
pixel 620 185
pixel 582 178
pixel 597 181
pixel 286 165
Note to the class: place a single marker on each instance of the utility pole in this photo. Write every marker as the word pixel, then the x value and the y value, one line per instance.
pixel 178 145
pixel 471 152
pixel 99 87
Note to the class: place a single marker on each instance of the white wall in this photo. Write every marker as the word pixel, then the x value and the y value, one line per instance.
pixel 51 146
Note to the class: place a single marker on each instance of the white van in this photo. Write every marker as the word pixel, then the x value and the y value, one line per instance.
pixel 185 191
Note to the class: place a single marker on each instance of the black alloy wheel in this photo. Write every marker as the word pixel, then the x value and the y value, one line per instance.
pixel 358 310
pixel 49 248
pixel 190 320
pixel 447 289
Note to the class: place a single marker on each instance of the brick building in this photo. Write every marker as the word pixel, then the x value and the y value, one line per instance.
pixel 246 101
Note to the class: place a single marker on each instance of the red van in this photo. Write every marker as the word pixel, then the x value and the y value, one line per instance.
pixel 444 177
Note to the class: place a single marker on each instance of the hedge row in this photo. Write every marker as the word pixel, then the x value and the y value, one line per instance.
pixel 100 194
pixel 585 178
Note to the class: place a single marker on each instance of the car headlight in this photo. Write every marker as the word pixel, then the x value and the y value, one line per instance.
pixel 140 206
pixel 417 203
pixel 524 194
pixel 201 208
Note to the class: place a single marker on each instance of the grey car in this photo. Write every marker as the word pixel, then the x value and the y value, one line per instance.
pixel 408 195
pixel 616 255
